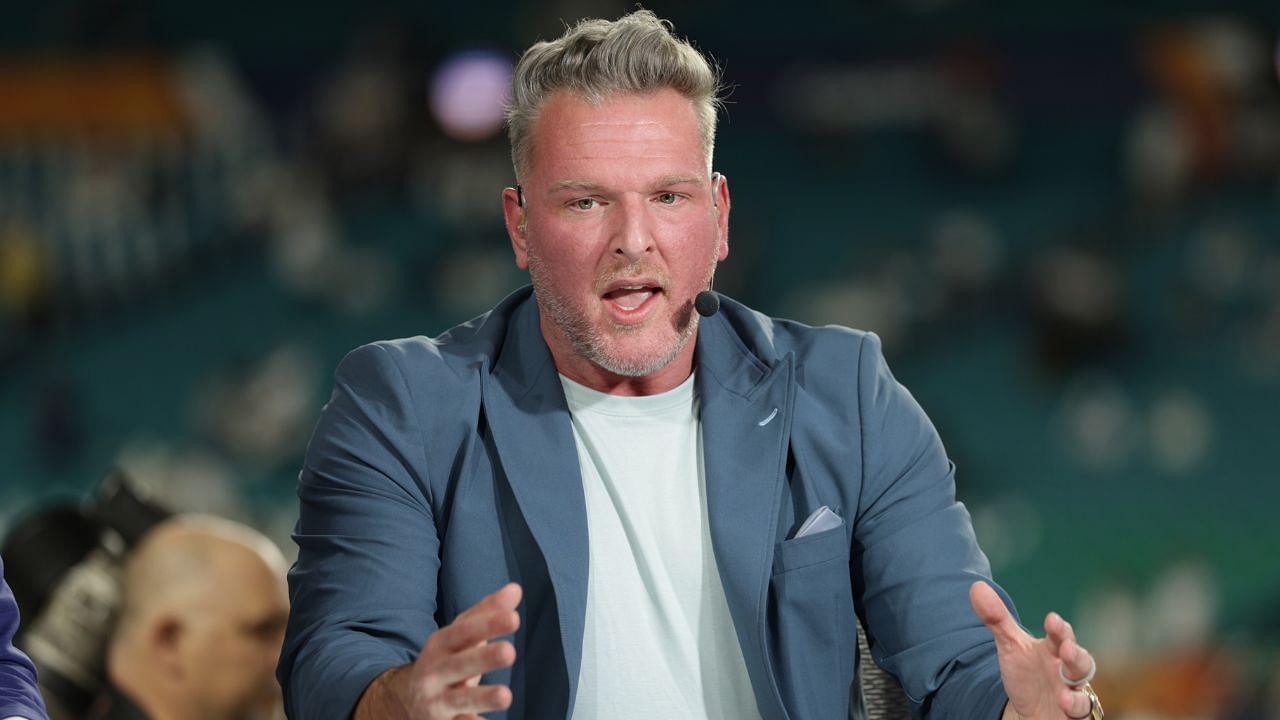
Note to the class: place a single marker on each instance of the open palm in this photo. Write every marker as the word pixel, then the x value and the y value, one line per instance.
pixel 1029 665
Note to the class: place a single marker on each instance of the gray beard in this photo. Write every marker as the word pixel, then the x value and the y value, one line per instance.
pixel 584 338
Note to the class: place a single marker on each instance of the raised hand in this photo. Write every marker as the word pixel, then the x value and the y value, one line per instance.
pixel 1035 670
pixel 444 682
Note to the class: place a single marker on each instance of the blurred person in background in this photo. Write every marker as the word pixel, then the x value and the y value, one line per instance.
pixel 19 696
pixel 201 623
pixel 589 412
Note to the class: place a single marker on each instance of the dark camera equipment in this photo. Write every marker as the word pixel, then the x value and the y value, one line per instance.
pixel 65 564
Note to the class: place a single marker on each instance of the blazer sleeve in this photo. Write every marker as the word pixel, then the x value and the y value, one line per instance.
pixel 363 590
pixel 19 695
pixel 915 556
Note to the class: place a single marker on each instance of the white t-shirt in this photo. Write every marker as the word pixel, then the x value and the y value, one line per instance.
pixel 659 641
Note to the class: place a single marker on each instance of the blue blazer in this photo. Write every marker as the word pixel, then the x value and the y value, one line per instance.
pixel 19 695
pixel 443 468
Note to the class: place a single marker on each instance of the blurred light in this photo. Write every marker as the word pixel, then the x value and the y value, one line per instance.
pixel 262 415
pixel 471 279
pixel 1181 430
pixel 1182 608
pixel 966 250
pixel 1222 260
pixel 469 93
pixel 1081 286
pixel 1111 620
pixel 872 302
pixel 1010 530
pixel 1159 155
pixel 1096 422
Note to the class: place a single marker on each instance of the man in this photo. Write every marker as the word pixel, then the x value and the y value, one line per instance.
pixel 19 696
pixel 672 517
pixel 201 623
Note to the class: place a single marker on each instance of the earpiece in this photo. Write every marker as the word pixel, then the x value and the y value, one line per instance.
pixel 520 202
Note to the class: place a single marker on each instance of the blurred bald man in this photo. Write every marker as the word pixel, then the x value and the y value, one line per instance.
pixel 202 619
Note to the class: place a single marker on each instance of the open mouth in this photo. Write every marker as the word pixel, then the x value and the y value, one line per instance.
pixel 631 297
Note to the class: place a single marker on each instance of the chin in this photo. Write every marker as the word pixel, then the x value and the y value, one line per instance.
pixel 621 356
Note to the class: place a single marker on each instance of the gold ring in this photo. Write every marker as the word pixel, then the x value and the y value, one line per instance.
pixel 1095 705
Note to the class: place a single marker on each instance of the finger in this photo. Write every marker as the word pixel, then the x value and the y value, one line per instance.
pixel 471 700
pixel 466 630
pixel 506 597
pixel 1074 703
pixel 469 630
pixel 1077 663
pixel 993 613
pixel 472 662
pixel 1058 631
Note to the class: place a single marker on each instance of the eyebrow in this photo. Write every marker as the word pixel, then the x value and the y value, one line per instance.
pixel 575 185
pixel 589 186
pixel 677 180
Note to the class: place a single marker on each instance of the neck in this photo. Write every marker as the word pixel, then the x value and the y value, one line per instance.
pixel 148 701
pixel 585 372
pixel 132 682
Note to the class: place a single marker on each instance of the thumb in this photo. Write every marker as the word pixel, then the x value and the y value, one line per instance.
pixel 992 612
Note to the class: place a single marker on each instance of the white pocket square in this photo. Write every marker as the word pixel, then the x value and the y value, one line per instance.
pixel 821 519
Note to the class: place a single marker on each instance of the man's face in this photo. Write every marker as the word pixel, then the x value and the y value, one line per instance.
pixel 235 643
pixel 622 227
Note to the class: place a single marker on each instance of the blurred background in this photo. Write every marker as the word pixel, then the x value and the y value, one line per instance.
pixel 1063 218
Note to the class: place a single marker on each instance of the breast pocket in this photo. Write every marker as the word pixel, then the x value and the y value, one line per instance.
pixel 811 616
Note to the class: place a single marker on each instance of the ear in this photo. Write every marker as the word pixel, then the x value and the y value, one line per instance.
pixel 165 638
pixel 720 193
pixel 514 215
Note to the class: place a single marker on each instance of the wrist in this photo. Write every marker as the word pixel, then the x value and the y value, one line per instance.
pixel 385 696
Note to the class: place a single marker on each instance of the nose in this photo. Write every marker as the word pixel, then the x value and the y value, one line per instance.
pixel 632 235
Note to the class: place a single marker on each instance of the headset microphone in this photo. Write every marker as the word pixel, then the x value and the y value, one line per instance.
pixel 706 303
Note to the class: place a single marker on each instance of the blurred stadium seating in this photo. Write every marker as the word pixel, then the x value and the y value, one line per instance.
pixel 1063 218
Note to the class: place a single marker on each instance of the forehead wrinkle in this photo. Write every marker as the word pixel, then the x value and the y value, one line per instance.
pixel 611 149
pixel 615 123
pixel 608 132
pixel 659 141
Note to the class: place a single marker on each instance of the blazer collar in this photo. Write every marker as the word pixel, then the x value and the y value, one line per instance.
pixel 524 361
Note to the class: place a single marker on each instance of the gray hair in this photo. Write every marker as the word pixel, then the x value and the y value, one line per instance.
pixel 597 58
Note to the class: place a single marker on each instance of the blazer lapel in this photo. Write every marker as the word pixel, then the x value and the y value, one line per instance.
pixel 526 411
pixel 746 420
